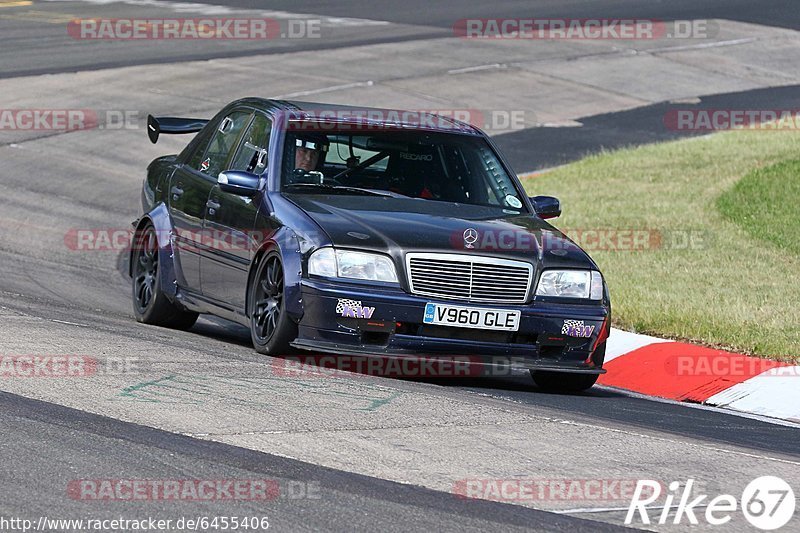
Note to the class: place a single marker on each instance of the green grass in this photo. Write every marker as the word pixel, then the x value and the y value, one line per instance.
pixel 736 192
pixel 766 204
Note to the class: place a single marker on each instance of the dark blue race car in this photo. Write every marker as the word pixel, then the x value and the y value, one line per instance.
pixel 359 231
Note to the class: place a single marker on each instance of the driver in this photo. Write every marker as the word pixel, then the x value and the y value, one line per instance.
pixel 310 151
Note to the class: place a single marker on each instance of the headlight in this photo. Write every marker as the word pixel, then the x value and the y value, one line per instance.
pixel 354 265
pixel 571 284
pixel 323 263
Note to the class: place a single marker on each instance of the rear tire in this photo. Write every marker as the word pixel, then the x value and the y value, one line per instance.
pixel 150 304
pixel 271 328
pixel 563 381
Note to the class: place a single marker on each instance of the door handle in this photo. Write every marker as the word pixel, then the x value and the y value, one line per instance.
pixel 176 192
pixel 212 207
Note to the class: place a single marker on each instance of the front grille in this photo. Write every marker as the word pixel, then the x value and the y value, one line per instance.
pixel 469 278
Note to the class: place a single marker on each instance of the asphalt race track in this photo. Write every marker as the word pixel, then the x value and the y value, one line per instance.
pixel 66 435
pixel 348 452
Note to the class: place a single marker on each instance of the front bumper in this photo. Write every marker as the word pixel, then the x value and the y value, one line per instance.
pixel 396 328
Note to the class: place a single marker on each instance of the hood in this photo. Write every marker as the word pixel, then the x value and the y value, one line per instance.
pixel 398 225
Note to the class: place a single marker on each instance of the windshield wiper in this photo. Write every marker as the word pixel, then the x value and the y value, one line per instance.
pixel 340 188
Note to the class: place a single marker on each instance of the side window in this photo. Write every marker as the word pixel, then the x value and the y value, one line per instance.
pixel 252 154
pixel 199 150
pixel 222 143
pixel 500 182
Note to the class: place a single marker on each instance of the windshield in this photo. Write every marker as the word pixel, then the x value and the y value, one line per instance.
pixel 444 167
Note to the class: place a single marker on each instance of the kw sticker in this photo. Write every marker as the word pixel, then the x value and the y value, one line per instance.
pixel 576 328
pixel 353 309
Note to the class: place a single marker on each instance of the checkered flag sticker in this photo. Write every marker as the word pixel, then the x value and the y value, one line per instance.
pixel 352 304
pixel 571 325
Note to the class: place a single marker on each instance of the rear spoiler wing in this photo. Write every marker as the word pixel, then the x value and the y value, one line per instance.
pixel 172 125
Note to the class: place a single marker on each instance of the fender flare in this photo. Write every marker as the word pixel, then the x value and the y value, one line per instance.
pixel 161 221
pixel 286 243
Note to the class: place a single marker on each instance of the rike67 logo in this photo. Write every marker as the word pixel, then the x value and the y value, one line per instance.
pixel 768 503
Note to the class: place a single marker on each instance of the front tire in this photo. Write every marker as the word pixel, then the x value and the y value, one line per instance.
pixel 563 381
pixel 150 304
pixel 271 328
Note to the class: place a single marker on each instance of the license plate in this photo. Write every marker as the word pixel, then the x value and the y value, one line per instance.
pixel 471 317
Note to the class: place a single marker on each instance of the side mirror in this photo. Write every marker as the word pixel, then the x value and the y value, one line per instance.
pixel 546 206
pixel 237 182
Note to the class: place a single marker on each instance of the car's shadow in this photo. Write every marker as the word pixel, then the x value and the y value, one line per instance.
pixel 218 328
pixel 515 383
